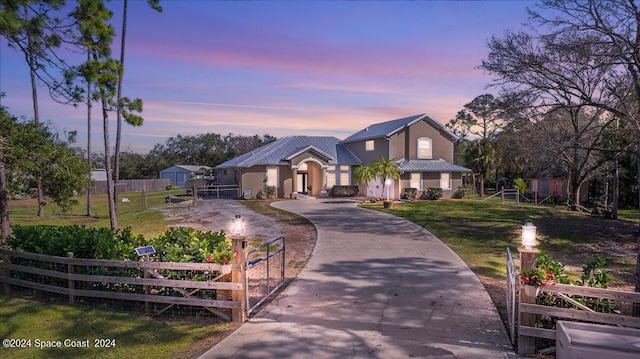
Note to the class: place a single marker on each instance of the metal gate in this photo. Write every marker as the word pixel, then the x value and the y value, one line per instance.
pixel 265 272
pixel 512 286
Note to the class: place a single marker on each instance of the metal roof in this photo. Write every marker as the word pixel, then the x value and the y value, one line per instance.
pixel 386 129
pixel 430 166
pixel 278 152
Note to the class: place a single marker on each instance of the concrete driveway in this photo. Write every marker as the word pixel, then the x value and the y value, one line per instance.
pixel 376 286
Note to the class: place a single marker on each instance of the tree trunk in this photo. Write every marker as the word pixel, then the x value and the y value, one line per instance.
pixel 89 106
pixel 481 177
pixel 107 162
pixel 118 107
pixel 36 113
pixel 4 205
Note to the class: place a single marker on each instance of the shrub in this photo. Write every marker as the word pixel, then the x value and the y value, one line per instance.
pixel 409 193
pixel 184 244
pixel 170 186
pixel 459 194
pixel 344 191
pixel 84 242
pixel 432 194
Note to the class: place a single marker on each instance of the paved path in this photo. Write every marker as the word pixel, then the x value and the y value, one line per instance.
pixel 376 286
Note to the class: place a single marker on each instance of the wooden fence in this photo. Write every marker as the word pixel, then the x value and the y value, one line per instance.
pixel 575 303
pixel 197 284
pixel 133 185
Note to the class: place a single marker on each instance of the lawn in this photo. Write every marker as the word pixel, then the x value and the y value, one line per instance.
pixel 106 334
pixel 479 233
pixel 134 335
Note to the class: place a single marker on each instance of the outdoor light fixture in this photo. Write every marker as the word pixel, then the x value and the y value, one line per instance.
pixel 387 182
pixel 237 226
pixel 529 234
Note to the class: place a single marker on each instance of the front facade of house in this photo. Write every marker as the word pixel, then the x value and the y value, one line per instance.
pixel 312 165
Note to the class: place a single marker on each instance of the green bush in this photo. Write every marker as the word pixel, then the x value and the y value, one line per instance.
pixel 183 244
pixel 432 194
pixel 459 194
pixel 344 191
pixel 175 245
pixel 409 193
pixel 84 242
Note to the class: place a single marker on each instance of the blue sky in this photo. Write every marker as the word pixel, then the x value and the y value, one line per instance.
pixel 285 68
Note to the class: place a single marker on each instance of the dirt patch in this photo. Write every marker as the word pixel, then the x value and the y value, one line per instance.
pixel 261 223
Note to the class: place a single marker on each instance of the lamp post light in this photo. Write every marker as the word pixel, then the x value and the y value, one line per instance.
pixel 387 183
pixel 237 225
pixel 529 235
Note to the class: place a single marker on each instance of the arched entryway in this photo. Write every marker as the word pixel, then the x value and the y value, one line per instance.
pixel 309 178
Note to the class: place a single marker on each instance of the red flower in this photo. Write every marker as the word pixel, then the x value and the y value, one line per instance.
pixel 224 261
pixel 210 259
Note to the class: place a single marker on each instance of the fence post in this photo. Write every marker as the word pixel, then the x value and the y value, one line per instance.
pixel 526 344
pixel 5 271
pixel 238 273
pixel 147 289
pixel 72 283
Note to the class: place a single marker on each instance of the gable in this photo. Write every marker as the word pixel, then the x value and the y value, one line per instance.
pixel 389 128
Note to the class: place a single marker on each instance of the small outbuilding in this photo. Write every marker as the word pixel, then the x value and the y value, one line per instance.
pixel 178 175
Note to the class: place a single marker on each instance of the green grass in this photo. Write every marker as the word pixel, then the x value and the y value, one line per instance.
pixel 479 233
pixel 148 222
pixel 134 336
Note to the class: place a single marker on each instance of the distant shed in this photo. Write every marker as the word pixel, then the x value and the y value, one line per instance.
pixel 178 175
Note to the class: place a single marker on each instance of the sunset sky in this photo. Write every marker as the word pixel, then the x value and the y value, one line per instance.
pixel 284 68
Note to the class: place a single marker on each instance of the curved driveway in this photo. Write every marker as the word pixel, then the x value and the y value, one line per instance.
pixel 376 286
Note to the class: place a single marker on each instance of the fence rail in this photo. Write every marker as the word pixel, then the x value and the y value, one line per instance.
pixel 538 315
pixel 148 282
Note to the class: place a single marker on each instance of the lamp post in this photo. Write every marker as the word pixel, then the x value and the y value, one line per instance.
pixel 529 235
pixel 387 183
pixel 238 269
pixel 528 260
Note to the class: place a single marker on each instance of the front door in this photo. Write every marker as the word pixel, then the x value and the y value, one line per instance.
pixel 302 182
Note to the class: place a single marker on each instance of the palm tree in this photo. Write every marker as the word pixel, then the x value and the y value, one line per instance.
pixel 363 175
pixel 386 168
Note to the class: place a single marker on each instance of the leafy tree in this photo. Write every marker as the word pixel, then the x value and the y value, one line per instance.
pixel 480 118
pixel 363 175
pixel 587 50
pixel 29 27
pixel 386 168
pixel 28 151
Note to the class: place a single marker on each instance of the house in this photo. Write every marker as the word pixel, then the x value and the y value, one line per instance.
pixel 422 147
pixel 180 174
pixel 291 165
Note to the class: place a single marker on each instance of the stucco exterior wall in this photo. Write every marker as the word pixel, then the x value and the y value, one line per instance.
pixel 404 144
pixel 380 149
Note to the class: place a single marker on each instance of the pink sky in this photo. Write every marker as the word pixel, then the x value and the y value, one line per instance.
pixel 285 68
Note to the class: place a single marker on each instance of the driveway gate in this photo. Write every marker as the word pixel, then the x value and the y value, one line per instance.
pixel 265 272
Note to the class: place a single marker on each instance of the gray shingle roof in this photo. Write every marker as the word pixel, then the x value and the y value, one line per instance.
pixel 277 152
pixel 386 129
pixel 430 166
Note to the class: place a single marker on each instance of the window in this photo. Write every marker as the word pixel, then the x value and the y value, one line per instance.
pixel 424 147
pixel 368 145
pixel 416 181
pixel 445 181
pixel 345 178
pixel 272 176
pixel 331 179
pixel 338 175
